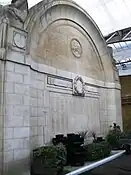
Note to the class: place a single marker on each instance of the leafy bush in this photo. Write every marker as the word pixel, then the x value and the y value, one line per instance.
pixel 83 134
pixel 47 156
pixel 49 160
pixel 96 151
pixel 113 137
pixel 61 154
pixel 94 135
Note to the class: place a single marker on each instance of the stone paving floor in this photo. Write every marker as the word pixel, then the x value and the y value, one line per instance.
pixel 119 166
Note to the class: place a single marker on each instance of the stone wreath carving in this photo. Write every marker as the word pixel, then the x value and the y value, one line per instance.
pixel 76 48
pixel 78 87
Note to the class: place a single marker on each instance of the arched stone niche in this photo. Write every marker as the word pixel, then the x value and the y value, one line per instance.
pixel 64 36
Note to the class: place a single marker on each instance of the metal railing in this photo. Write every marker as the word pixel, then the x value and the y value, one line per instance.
pixel 96 164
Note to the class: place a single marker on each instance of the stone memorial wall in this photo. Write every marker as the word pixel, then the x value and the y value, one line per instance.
pixel 56 77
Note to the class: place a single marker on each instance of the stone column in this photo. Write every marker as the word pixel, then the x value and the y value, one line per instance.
pixel 3 40
pixel 14 101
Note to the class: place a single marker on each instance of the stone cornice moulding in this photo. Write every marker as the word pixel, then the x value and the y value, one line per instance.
pixel 63 74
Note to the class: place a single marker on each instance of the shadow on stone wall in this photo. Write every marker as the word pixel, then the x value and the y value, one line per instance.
pixel 21 167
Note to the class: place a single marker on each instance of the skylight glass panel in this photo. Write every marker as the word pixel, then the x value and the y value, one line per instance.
pixel 110 15
pixel 123 45
pixel 5 2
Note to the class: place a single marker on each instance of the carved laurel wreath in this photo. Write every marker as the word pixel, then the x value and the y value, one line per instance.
pixel 75 87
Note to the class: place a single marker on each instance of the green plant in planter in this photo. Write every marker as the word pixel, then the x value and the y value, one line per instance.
pixel 113 137
pixel 49 157
pixel 61 156
pixel 96 151
pixel 49 160
pixel 94 136
pixel 45 160
pixel 106 149
pixel 83 134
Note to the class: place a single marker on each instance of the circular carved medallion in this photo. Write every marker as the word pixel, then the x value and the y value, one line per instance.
pixel 76 48
pixel 19 40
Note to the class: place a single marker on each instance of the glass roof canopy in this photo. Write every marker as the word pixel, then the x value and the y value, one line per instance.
pixel 110 15
pixel 5 2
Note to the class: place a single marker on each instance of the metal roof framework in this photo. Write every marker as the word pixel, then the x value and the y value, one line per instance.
pixel 119 36
pixel 120 40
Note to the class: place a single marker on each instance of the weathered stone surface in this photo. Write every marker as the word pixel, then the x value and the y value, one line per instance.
pixel 21 154
pixel 12 144
pixel 37 80
pixel 13 77
pixel 10 66
pixel 8 156
pixel 13 121
pixel 14 57
pixel 21 132
pixel 21 69
pixel 8 133
pixel 16 11
pixel 9 87
pixel 14 99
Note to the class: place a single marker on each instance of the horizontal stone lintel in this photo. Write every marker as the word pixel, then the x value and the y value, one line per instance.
pixel 65 75
pixel 59 82
pixel 67 84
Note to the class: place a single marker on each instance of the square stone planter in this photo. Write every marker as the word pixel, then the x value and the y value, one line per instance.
pixel 44 171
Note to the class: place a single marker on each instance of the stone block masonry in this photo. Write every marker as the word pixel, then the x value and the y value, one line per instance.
pixel 17 115
pixel 34 110
pixel 56 76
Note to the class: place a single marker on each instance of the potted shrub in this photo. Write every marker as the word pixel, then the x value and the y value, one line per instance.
pixel 96 151
pixel 48 160
pixel 62 157
pixel 83 134
pixel 44 161
pixel 113 137
pixel 94 136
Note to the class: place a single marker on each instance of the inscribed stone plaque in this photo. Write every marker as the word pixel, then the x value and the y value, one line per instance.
pixel 72 114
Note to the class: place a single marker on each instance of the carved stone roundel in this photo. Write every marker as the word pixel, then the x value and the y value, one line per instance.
pixel 76 48
pixel 19 40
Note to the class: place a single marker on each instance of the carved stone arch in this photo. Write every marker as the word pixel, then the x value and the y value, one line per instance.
pixel 44 14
